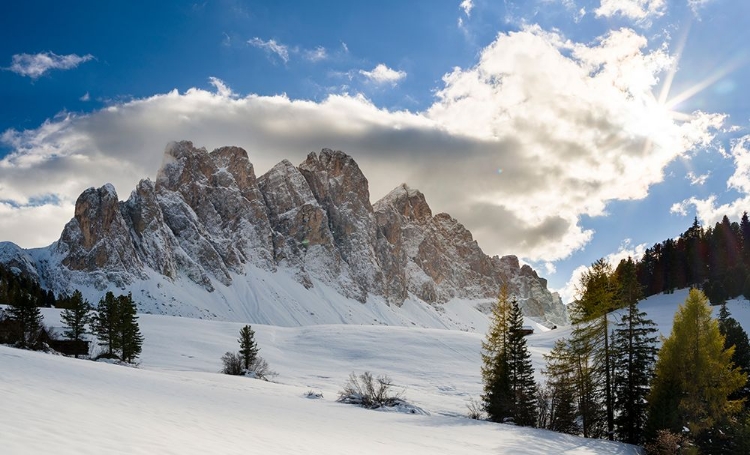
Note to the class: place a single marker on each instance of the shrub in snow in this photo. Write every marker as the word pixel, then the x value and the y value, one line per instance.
pixel 313 395
pixel 232 362
pixel 668 443
pixel 476 410
pixel 366 391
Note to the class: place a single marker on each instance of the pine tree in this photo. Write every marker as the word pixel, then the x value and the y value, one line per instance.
pixel 520 371
pixel 248 347
pixel 634 348
pixel 497 390
pixel 105 324
pixel 735 336
pixel 116 326
pixel 130 337
pixel 560 372
pixel 76 317
pixel 23 310
pixel 694 373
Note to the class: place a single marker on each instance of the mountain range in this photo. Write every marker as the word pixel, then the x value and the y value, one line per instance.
pixel 210 239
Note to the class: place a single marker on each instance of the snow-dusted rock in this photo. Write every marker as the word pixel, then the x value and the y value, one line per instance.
pixel 302 239
pixel 343 191
pixel 97 239
pixel 436 259
pixel 208 221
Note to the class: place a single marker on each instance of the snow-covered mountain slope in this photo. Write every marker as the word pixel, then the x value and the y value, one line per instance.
pixel 177 402
pixel 295 246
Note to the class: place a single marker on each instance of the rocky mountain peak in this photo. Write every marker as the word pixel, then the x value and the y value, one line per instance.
pixel 335 178
pixel 98 238
pixel 408 202
pixel 208 219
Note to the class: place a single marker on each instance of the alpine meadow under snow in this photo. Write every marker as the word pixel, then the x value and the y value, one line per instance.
pixel 177 402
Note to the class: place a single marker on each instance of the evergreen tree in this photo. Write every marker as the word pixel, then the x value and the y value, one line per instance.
pixel 76 317
pixel 105 324
pixel 26 314
pixel 735 336
pixel 129 333
pixel 590 341
pixel 116 326
pixel 634 347
pixel 520 371
pixel 497 396
pixel 248 347
pixel 587 380
pixel 745 235
pixel 561 397
pixel 694 374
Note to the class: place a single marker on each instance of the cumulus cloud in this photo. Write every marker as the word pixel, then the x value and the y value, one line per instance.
pixel 381 74
pixel 633 9
pixel 707 209
pixel 35 65
pixel 271 47
pixel 538 133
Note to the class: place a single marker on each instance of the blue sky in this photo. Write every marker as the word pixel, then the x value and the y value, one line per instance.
pixel 557 130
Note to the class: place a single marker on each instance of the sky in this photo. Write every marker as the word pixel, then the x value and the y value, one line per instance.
pixel 560 131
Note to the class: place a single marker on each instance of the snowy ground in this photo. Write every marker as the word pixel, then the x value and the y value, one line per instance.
pixel 176 402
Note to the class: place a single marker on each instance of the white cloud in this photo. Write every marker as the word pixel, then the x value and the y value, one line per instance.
pixel 467 6
pixel 316 55
pixel 707 210
pixel 35 65
pixel 381 74
pixel 222 89
pixel 271 47
pixel 633 9
pixel 540 132
pixel 697 179
pixel 571 133
pixel 569 292
pixel 85 97
pixel 697 5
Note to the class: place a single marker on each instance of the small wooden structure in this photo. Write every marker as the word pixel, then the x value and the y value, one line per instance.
pixel 10 332
pixel 67 347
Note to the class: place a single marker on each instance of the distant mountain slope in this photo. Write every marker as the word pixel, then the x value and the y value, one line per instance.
pixel 209 239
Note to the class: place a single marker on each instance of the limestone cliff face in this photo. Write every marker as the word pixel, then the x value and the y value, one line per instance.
pixel 97 239
pixel 207 218
pixel 436 259
pixel 342 191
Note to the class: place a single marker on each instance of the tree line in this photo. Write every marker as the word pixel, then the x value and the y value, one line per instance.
pixel 716 259
pixel 113 320
pixel 609 379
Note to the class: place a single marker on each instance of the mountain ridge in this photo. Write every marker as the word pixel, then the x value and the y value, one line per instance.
pixel 208 221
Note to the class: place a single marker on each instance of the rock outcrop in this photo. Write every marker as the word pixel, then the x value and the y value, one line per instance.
pixel 207 218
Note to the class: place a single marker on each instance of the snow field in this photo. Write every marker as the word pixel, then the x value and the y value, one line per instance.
pixel 177 402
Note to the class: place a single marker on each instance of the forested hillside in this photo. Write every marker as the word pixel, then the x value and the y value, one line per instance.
pixel 717 259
